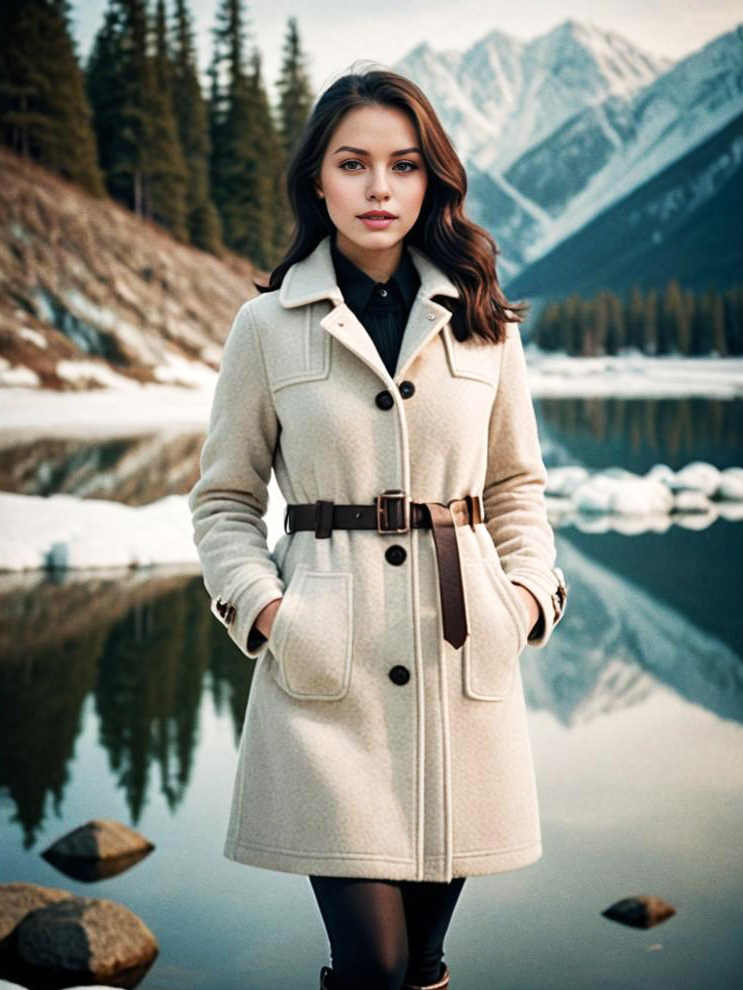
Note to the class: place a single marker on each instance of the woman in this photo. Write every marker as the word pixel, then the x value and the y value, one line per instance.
pixel 380 372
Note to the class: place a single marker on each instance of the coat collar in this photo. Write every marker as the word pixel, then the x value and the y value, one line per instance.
pixel 313 278
pixel 357 287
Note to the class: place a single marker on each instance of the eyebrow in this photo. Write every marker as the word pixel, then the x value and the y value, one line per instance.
pixel 361 151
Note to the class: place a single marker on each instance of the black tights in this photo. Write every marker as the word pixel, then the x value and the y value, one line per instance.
pixel 382 932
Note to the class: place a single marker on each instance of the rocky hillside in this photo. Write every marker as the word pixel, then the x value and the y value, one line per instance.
pixel 91 296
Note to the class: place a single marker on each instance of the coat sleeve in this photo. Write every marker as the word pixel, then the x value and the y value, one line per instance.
pixel 513 496
pixel 229 500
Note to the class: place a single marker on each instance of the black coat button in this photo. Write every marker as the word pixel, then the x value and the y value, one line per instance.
pixel 396 554
pixel 399 674
pixel 406 389
pixel 384 399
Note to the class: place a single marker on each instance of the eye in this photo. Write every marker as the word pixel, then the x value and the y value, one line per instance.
pixel 412 166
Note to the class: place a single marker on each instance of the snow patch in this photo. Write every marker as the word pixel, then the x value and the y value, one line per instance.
pixel 87 371
pixel 33 335
pixel 64 531
pixel 16 375
pixel 180 371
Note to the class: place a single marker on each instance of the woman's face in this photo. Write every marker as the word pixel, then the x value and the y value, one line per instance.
pixel 373 162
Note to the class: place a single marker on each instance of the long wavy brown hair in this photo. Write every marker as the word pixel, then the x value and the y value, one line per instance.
pixel 465 251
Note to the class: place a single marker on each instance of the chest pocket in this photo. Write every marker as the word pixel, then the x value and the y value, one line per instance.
pixel 472 359
pixel 312 633
pixel 301 352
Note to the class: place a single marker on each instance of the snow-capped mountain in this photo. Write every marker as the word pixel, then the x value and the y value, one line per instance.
pixel 503 96
pixel 554 130
pixel 684 223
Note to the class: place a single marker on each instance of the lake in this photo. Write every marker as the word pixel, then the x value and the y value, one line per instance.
pixel 122 697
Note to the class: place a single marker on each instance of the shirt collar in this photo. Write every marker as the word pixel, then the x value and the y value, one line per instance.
pixel 357 286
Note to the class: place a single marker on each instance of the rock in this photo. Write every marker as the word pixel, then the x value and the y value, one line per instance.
pixel 562 481
pixel 698 476
pixel 100 848
pixel 688 500
pixel 17 899
pixel 661 472
pixel 640 911
pixel 80 940
pixel 636 497
pixel 731 484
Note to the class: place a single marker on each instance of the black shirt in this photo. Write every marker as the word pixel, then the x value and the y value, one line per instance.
pixel 382 308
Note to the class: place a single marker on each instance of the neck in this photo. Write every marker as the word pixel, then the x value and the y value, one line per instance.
pixel 380 265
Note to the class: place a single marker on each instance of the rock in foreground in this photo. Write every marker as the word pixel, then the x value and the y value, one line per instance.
pixel 79 940
pixel 100 848
pixel 642 911
pixel 17 899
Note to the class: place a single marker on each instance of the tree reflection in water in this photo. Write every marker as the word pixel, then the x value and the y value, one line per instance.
pixel 144 650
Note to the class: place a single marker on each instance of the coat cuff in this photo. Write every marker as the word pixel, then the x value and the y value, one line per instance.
pixel 551 592
pixel 239 612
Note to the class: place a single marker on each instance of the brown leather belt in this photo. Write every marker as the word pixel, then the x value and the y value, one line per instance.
pixel 395 512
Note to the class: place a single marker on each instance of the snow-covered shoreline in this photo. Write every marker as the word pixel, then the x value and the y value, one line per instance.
pixel 634 375
pixel 29 412
pixel 107 412
pixel 62 532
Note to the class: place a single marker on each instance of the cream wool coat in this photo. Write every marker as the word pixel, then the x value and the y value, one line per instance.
pixel 343 771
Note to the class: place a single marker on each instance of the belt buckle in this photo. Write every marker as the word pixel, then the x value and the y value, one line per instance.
pixel 398 497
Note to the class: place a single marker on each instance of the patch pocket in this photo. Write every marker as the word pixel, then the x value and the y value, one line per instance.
pixel 312 635
pixel 497 632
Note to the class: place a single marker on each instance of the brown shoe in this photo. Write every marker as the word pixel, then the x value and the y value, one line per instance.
pixel 441 984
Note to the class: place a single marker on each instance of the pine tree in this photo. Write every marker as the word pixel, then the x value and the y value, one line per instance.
pixel 44 113
pixel 232 164
pixel 616 333
pixel 734 319
pixel 240 125
pixel 271 163
pixel 687 317
pixel 129 87
pixel 191 114
pixel 120 88
pixel 571 333
pixel 636 318
pixel 166 168
pixel 295 104
pixel 600 320
pixel 717 321
pixel 650 323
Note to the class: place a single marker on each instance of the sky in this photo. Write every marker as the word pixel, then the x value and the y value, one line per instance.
pixel 335 34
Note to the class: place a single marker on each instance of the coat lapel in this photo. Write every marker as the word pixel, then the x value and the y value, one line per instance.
pixel 313 278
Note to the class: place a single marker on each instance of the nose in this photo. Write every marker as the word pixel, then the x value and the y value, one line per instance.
pixel 378 185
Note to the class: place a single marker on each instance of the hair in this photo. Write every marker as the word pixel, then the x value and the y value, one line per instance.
pixel 465 251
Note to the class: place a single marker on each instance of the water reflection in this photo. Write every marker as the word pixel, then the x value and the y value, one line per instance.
pixel 599 432
pixel 145 651
pixel 135 470
pixel 622 643
pixel 637 433
pixel 141 650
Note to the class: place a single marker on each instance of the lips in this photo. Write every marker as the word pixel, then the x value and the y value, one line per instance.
pixel 377 215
